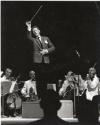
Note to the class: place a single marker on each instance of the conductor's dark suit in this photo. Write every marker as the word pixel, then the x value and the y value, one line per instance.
pixel 38 46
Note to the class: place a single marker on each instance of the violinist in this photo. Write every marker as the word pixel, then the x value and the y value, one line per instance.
pixel 7 75
pixel 92 84
pixel 7 81
pixel 88 106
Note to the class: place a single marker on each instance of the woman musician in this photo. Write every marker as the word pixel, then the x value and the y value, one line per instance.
pixel 92 84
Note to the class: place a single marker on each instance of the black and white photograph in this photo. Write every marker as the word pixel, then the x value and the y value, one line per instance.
pixel 50 62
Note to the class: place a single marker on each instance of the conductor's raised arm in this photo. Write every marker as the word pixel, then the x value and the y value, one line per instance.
pixel 29 35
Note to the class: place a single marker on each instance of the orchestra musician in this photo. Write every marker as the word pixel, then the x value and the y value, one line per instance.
pixel 88 106
pixel 92 84
pixel 29 89
pixel 72 82
pixel 7 75
pixel 7 78
pixel 68 85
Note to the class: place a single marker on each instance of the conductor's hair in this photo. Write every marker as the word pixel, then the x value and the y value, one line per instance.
pixel 36 27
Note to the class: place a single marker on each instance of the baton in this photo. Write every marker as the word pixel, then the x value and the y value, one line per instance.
pixel 36 13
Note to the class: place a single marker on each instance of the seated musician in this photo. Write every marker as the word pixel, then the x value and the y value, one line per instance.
pixel 6 77
pixel 72 82
pixel 29 88
pixel 67 86
pixel 88 106
pixel 92 84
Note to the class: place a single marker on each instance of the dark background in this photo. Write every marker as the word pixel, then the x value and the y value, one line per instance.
pixel 71 26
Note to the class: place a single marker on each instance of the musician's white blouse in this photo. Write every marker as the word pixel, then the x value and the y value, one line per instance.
pixel 92 88
pixel 13 83
pixel 29 84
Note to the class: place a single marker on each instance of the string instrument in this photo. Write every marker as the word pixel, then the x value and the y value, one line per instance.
pixel 72 85
pixel 32 95
pixel 68 91
pixel 14 101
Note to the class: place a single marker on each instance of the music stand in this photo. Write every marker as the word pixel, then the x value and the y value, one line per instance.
pixel 76 93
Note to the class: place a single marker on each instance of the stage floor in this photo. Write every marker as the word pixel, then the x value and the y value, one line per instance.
pixel 17 119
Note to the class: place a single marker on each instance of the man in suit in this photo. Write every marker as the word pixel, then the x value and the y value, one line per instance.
pixel 42 47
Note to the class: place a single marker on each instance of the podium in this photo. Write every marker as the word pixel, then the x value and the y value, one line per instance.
pixel 33 109
pixel 66 110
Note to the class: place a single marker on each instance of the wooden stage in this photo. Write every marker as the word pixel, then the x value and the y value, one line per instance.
pixel 12 120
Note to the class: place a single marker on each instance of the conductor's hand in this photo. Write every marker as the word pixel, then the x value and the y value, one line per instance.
pixel 44 51
pixel 28 24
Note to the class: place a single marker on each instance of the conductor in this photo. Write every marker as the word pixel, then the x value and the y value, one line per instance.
pixel 42 47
